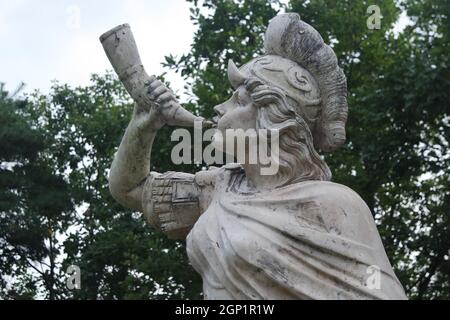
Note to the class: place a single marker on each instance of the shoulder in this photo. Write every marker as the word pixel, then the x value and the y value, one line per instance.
pixel 333 195
pixel 328 189
pixel 342 191
pixel 340 209
pixel 346 213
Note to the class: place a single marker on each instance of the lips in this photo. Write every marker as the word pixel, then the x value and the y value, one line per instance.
pixel 209 124
pixel 214 120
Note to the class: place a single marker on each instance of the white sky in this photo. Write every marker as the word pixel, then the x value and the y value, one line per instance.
pixel 58 39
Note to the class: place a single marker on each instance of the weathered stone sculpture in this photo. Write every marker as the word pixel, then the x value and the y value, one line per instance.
pixel 292 235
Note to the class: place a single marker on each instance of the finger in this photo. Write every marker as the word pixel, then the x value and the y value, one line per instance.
pixel 150 80
pixel 166 96
pixel 159 91
pixel 155 84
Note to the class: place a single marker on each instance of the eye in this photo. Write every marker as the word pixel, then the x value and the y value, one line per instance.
pixel 237 97
pixel 241 98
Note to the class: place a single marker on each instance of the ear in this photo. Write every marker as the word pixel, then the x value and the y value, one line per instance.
pixel 235 77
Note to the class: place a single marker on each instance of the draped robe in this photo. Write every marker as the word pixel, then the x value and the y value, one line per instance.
pixel 309 240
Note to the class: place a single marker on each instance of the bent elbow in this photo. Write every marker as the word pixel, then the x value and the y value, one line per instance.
pixel 114 191
pixel 129 199
pixel 117 193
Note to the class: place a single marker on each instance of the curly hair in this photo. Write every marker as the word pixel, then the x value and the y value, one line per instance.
pixel 298 159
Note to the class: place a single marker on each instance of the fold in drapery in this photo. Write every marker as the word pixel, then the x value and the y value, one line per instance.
pixel 310 240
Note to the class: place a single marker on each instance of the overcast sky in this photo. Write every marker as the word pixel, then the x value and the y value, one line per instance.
pixel 58 39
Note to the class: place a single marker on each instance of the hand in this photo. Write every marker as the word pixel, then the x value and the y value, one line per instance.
pixel 159 93
pixel 161 107
pixel 155 98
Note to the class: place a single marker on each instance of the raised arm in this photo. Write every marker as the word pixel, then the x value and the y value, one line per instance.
pixel 131 164
pixel 170 201
pixel 130 180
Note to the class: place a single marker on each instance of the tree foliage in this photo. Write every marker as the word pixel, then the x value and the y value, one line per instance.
pixel 56 202
pixel 55 151
pixel 396 156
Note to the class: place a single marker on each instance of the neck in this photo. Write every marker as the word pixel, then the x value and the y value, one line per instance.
pixel 257 180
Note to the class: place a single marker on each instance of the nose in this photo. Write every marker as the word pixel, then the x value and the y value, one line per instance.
pixel 219 109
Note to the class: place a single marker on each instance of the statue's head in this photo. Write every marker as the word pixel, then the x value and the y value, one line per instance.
pixel 297 88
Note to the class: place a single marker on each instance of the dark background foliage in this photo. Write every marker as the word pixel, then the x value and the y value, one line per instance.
pixel 55 151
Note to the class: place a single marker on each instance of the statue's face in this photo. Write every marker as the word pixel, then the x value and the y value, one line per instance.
pixel 238 112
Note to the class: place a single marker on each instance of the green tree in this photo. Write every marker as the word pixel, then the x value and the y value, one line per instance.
pixel 396 156
pixel 119 256
pixel 55 151
pixel 397 150
pixel 56 209
pixel 34 207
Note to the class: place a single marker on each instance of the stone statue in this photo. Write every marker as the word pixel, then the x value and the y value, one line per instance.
pixel 292 235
